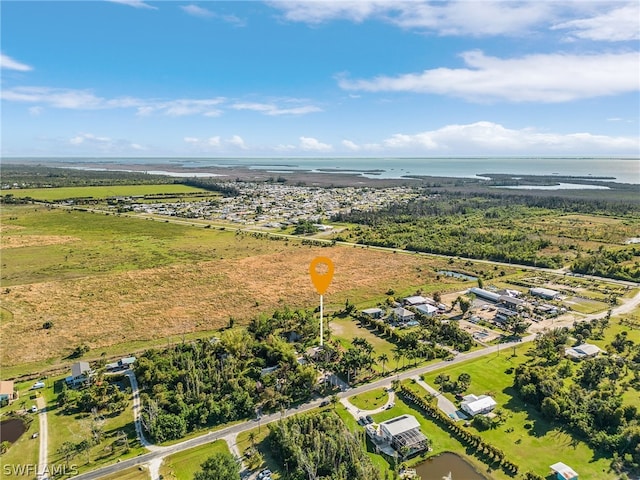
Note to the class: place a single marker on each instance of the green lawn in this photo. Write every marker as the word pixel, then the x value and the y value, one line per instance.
pixel 77 427
pixel 133 473
pixel 583 305
pixel 523 429
pixel 183 465
pixel 100 192
pixel 370 400
pixel 57 244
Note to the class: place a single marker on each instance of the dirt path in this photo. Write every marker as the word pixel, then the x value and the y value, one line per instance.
pixel 43 453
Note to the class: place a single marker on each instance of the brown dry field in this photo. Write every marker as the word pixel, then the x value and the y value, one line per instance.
pixel 16 241
pixel 107 310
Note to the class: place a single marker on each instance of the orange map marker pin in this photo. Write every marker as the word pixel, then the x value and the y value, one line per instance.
pixel 321 279
pixel 321 271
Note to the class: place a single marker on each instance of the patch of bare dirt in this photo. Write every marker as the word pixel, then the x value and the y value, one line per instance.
pixel 17 241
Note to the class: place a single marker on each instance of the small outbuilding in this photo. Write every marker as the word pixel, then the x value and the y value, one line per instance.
pixel 373 312
pixel 545 293
pixel 563 471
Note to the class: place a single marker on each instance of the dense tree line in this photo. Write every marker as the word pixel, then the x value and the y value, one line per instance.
pixel 218 380
pixel 610 263
pixel 490 226
pixel 227 189
pixel 38 176
pixel 587 401
pixel 318 446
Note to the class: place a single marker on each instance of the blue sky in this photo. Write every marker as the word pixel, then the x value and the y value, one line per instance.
pixel 318 78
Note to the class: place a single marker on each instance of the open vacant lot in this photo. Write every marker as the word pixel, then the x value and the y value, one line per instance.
pixel 113 280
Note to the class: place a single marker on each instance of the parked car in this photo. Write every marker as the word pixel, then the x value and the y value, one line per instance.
pixel 324 403
pixel 34 409
pixel 362 421
pixel 369 419
pixel 37 385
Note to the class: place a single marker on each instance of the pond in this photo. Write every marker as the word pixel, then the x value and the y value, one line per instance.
pixel 11 430
pixel 448 466
pixel 461 276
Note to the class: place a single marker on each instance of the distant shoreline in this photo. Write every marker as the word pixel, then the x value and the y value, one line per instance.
pixel 333 172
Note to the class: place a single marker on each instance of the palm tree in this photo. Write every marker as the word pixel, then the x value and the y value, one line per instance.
pixel 397 355
pixel 334 400
pixel 252 439
pixel 383 358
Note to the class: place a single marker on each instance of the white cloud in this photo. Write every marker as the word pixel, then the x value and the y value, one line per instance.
pixel 35 111
pixel 196 11
pixel 492 138
pixel 89 142
pixel 87 100
pixel 349 145
pixel 6 62
pixel 489 17
pixel 89 138
pixel 618 24
pixel 134 4
pixel 274 110
pixel 216 143
pixel 534 78
pixel 309 144
pixel 237 141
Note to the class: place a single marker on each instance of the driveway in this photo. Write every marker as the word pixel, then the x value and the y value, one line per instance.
pixel 444 404
pixel 43 453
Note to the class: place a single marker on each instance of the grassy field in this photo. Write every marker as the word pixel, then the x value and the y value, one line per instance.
pixel 183 465
pixel 108 280
pixel 370 400
pixel 523 429
pixel 101 192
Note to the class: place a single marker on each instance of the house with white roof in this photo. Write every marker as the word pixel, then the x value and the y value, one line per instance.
pixel 426 309
pixel 474 405
pixel 402 315
pixel 415 300
pixel 563 471
pixel 585 350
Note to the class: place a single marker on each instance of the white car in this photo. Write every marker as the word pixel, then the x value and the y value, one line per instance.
pixel 34 409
